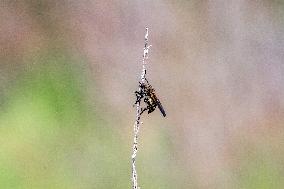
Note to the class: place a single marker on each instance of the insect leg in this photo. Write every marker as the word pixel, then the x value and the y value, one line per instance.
pixel 143 110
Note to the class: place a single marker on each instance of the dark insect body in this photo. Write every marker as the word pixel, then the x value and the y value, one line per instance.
pixel 147 93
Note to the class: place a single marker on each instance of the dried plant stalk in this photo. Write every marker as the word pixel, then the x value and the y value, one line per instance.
pixel 138 115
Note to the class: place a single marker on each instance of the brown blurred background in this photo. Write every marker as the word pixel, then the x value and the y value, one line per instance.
pixel 69 69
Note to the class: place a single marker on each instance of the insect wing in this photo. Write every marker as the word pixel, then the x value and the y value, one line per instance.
pixel 161 108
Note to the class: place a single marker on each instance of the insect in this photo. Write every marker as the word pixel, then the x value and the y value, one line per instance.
pixel 147 93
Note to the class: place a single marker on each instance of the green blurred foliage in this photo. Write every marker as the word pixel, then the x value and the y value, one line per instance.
pixel 259 169
pixel 50 137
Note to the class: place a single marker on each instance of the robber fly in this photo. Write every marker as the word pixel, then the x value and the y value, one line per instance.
pixel 147 93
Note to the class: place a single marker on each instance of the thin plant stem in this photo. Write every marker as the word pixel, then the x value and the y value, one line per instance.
pixel 138 116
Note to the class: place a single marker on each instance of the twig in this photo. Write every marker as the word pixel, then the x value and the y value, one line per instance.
pixel 138 116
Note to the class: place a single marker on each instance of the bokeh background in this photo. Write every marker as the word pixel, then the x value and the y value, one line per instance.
pixel 69 69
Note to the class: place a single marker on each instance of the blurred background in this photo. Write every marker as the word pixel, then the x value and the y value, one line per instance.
pixel 69 69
